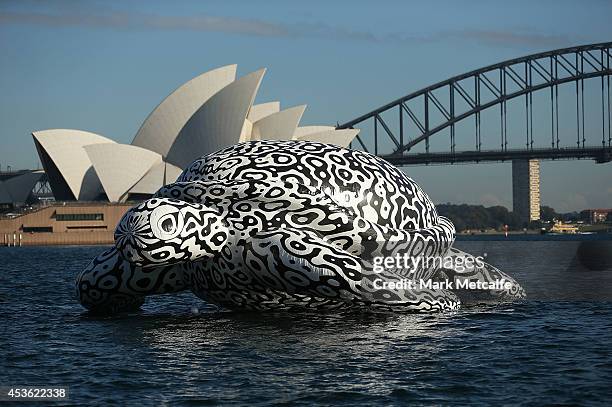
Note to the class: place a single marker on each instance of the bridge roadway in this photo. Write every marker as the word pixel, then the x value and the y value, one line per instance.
pixel 599 154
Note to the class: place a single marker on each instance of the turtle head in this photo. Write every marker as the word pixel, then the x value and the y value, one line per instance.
pixel 162 231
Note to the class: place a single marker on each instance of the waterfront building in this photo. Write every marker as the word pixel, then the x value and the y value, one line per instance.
pixel 62 224
pixel 597 215
pixel 93 177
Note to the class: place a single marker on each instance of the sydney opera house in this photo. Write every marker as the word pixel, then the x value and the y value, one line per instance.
pixel 207 113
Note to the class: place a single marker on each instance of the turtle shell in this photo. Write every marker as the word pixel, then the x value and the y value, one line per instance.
pixel 362 182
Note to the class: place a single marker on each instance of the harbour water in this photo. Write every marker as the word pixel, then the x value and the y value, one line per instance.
pixel 554 348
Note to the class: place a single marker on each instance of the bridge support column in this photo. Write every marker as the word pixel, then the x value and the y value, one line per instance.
pixel 526 189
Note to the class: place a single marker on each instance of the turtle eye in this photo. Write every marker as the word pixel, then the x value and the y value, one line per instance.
pixel 166 222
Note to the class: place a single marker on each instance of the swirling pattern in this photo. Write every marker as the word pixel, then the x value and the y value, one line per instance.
pixel 370 181
pixel 112 284
pixel 277 225
pixel 162 231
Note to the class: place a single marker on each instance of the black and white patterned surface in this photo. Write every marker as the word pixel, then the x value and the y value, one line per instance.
pixel 268 225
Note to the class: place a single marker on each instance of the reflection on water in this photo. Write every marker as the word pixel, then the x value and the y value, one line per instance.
pixel 552 270
pixel 595 255
pixel 553 348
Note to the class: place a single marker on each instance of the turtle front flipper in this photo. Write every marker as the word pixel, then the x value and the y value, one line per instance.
pixel 110 284
pixel 302 262
pixel 477 282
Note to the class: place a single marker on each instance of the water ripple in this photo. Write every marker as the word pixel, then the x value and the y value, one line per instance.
pixel 551 349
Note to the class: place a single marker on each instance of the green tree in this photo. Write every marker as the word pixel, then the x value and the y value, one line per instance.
pixel 548 214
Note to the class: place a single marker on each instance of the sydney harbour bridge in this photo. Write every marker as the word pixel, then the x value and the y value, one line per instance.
pixel 548 106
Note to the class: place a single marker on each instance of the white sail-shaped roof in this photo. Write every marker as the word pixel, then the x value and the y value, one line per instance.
pixel 256 113
pixel 245 133
pixel 341 138
pixel 262 110
pixel 278 126
pixel 305 130
pixel 159 175
pixel 120 166
pixel 204 115
pixel 162 126
pixel 64 147
pixel 218 123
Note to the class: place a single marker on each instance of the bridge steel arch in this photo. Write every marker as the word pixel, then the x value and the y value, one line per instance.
pixel 500 82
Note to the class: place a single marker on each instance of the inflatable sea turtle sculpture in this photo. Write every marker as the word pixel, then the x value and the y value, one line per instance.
pixel 286 225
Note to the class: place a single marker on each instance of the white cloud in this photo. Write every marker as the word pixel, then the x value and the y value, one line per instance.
pixel 67 15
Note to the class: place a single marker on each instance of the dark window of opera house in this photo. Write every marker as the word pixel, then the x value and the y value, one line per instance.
pixel 63 217
pixel 37 229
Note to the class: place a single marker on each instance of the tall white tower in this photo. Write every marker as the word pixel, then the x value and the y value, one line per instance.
pixel 526 189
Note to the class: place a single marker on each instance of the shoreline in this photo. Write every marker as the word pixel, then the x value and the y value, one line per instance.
pixel 512 237
pixel 533 237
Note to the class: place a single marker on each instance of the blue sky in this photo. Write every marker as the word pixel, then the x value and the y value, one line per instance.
pixel 103 66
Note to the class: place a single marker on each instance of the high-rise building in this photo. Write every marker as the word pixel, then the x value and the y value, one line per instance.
pixel 526 189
